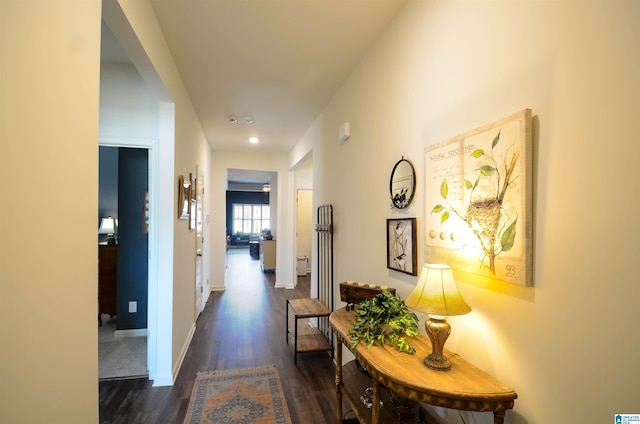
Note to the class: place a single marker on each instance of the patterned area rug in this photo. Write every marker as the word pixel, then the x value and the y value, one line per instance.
pixel 242 396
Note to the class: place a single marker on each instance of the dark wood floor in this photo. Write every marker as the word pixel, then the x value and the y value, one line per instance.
pixel 244 326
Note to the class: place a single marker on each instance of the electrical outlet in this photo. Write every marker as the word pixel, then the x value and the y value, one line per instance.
pixel 133 307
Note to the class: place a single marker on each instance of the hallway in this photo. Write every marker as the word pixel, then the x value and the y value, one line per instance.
pixel 244 326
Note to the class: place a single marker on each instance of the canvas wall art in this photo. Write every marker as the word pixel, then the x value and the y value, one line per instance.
pixel 479 200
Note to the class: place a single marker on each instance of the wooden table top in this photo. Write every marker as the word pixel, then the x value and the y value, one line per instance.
pixel 464 386
pixel 308 307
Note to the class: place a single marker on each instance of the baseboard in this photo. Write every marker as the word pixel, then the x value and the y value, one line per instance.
pixel 163 381
pixel 279 285
pixel 216 288
pixel 183 351
pixel 138 332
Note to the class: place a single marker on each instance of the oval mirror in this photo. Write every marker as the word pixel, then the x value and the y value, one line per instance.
pixel 402 184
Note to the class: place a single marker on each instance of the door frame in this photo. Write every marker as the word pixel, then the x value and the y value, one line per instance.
pixel 160 286
pixel 199 247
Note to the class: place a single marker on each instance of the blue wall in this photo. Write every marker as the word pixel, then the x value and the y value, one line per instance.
pixel 123 177
pixel 108 186
pixel 133 244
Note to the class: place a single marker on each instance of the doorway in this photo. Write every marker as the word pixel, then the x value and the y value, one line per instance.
pixel 200 298
pixel 123 195
pixel 304 232
pixel 250 200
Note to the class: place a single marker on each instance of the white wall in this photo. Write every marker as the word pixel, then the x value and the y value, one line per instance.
pixel 128 108
pixel 49 85
pixel 568 345
pixel 191 149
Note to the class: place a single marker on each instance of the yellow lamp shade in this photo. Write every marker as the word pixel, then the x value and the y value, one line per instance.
pixel 437 293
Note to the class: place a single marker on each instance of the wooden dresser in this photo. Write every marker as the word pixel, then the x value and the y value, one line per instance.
pixel 463 387
pixel 107 280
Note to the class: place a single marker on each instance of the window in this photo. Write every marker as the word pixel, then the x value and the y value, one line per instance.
pixel 251 219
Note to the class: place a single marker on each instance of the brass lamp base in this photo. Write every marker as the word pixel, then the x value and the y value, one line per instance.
pixel 438 330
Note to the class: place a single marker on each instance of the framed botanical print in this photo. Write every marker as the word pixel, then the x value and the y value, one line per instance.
pixel 402 252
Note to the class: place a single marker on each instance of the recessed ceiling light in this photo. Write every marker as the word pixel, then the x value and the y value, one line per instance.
pixel 254 140
pixel 248 120
pixel 233 119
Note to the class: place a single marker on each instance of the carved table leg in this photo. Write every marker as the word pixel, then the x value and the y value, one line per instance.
pixel 375 413
pixel 339 381
pixel 498 417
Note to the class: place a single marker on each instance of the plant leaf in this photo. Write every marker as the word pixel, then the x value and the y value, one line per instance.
pixel 487 170
pixel 411 332
pixel 382 320
pixel 495 140
pixel 437 209
pixel 467 184
pixel 508 237
pixel 477 153
pixel 445 216
pixel 405 346
pixel 444 189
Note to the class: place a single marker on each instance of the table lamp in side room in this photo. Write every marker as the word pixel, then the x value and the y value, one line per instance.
pixel 108 226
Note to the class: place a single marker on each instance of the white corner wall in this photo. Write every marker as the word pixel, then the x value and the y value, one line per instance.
pixel 569 345
pixel 49 90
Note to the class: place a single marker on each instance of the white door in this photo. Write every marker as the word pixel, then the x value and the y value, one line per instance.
pixel 304 226
pixel 199 240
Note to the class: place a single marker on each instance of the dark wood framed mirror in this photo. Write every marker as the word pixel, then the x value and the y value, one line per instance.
pixel 402 184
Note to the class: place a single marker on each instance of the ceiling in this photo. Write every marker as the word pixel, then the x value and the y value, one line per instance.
pixel 275 62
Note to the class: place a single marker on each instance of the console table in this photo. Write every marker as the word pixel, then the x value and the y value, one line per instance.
pixel 463 387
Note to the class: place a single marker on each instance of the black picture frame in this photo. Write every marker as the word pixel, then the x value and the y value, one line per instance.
pixel 402 251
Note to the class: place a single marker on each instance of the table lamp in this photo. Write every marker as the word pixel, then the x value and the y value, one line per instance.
pixel 108 226
pixel 437 295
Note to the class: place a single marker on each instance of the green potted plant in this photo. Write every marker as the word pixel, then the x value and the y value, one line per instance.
pixel 384 319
